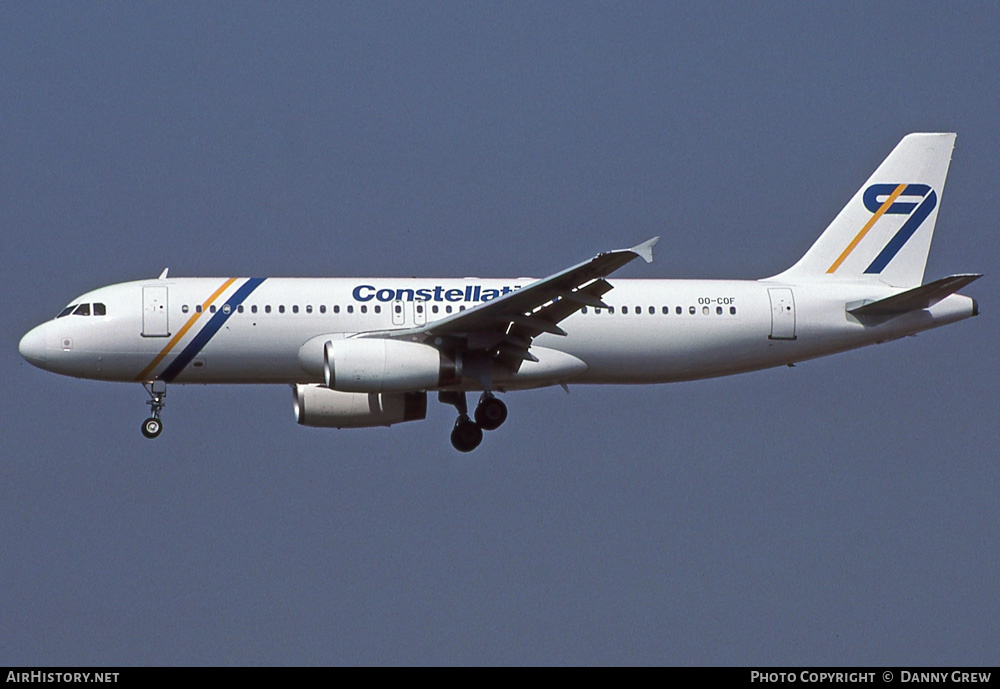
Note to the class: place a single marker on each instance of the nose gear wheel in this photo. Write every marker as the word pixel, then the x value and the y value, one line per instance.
pixel 157 390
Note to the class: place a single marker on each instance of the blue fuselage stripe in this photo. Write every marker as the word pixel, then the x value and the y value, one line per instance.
pixel 213 326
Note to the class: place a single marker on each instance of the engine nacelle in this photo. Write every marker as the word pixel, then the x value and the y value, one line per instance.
pixel 377 365
pixel 319 406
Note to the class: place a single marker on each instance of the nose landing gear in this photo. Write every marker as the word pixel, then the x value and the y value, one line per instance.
pixel 157 390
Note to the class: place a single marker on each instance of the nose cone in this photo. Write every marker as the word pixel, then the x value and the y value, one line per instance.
pixel 32 346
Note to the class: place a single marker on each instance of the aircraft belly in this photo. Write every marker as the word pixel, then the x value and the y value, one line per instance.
pixel 669 348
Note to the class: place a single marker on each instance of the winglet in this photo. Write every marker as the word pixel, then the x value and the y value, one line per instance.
pixel 645 250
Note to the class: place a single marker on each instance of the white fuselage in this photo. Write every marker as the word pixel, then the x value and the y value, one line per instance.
pixel 660 330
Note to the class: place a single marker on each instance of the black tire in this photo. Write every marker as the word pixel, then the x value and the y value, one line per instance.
pixel 491 413
pixel 152 427
pixel 466 435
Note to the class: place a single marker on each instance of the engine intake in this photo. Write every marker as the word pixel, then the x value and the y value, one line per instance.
pixel 319 406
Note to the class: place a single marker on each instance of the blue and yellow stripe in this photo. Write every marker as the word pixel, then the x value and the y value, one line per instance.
pixel 903 235
pixel 215 323
pixel 868 225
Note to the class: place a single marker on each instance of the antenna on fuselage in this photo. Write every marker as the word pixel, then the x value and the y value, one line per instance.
pixel 163 275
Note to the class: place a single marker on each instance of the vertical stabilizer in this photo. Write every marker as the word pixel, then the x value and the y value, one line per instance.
pixel 884 233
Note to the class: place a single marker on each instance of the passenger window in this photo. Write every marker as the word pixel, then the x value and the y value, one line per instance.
pixel 378 309
pixel 67 311
pixel 679 311
pixel 420 308
pixel 212 308
pixel 652 310
pixel 718 310
pixel 184 309
pixel 322 308
pixel 398 308
pixel 198 308
pixel 350 309
pixel 666 310
pixel 624 309
pixel 732 310
pixel 336 309
pixel 82 310
pixel 704 310
pixel 267 309
pixel 583 310
pixel 253 309
pixel 448 308
pixel 295 308
pixel 435 308
pixel 364 308
pixel 309 309
pixel 611 309
pixel 596 310
pixel 638 310
pixel 692 310
pixel 240 308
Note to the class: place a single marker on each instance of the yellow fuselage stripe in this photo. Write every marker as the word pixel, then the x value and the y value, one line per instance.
pixel 183 331
pixel 868 225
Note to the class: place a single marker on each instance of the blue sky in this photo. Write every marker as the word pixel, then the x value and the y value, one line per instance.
pixel 840 512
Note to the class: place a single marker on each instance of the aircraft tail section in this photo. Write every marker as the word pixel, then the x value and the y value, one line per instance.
pixel 884 233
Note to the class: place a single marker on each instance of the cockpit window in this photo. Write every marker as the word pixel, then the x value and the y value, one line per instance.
pixel 82 310
pixel 67 311
pixel 100 310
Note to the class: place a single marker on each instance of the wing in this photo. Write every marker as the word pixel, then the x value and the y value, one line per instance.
pixel 505 327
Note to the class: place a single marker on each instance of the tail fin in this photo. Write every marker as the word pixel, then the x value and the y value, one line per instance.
pixel 884 233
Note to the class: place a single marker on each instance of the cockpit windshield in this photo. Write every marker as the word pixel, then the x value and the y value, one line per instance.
pixel 99 309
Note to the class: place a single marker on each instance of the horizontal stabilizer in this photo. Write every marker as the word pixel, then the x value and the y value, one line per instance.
pixel 922 297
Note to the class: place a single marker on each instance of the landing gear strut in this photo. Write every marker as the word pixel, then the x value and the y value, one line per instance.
pixel 157 390
pixel 468 434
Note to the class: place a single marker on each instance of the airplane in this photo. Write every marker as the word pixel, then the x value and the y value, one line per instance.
pixel 365 352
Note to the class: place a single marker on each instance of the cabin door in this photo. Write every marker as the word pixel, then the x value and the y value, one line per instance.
pixel 154 312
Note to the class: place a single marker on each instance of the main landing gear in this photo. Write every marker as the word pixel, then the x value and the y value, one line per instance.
pixel 157 390
pixel 468 434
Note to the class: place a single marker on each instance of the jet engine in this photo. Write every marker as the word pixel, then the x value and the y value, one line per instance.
pixel 376 365
pixel 316 405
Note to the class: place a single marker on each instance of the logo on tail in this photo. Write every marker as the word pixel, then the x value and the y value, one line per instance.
pixel 914 200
